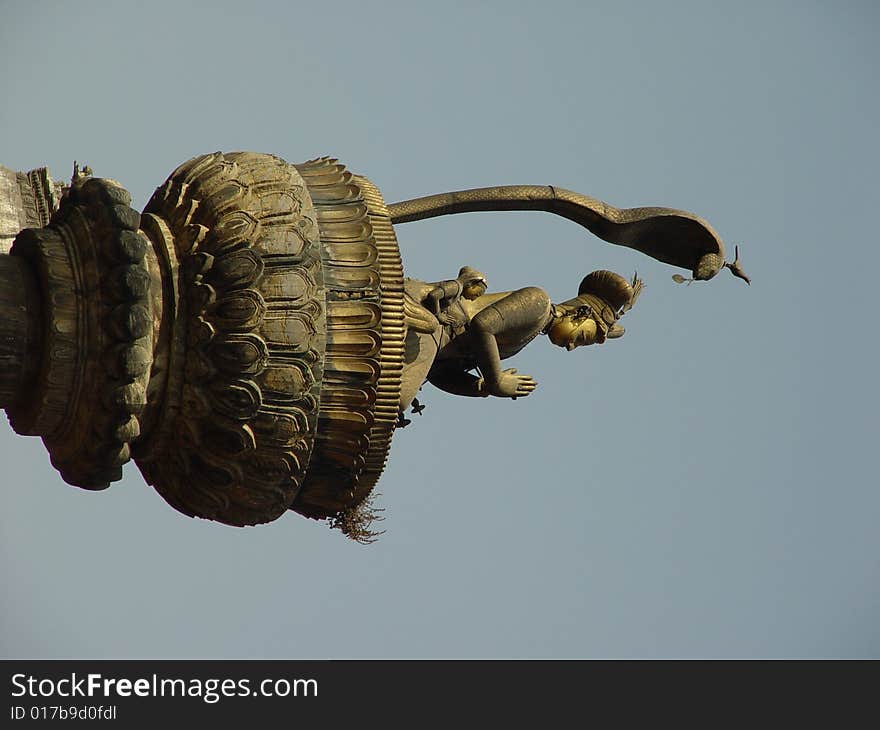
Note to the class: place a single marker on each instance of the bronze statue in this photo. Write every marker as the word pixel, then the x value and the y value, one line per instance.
pixel 497 326
pixel 250 341
pixel 443 297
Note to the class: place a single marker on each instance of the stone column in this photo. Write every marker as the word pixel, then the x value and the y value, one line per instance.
pixel 27 200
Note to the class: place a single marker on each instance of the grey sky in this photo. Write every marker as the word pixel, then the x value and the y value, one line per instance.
pixel 703 487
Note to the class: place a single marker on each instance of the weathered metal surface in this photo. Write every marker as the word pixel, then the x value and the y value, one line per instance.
pixel 250 340
pixel 244 340
pixel 20 330
pixel 364 352
pixel 97 340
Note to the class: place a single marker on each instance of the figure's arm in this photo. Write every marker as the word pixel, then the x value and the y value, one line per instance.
pixel 519 311
pixel 432 301
pixel 443 290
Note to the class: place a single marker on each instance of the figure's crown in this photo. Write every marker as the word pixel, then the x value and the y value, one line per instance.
pixel 610 287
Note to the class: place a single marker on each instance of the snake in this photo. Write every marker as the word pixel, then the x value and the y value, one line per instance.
pixel 669 235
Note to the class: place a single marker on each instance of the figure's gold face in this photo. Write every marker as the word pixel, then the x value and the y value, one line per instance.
pixel 474 289
pixel 570 331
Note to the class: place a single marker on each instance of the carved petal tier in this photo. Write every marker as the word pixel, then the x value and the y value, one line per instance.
pixel 241 340
pixel 363 278
pixel 241 360
pixel 278 367
pixel 97 340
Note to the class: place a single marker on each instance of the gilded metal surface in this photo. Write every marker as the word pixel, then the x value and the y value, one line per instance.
pixel 245 351
pixel 90 264
pixel 465 358
pixel 393 333
pixel 250 339
pixel 364 351
pixel 672 236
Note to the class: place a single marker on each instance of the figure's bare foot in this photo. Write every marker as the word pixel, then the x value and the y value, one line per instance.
pixel 512 385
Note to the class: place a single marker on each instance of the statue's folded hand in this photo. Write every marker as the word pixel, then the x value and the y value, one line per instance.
pixel 451 320
pixel 512 385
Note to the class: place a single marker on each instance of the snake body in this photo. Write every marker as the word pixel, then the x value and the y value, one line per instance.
pixel 672 236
